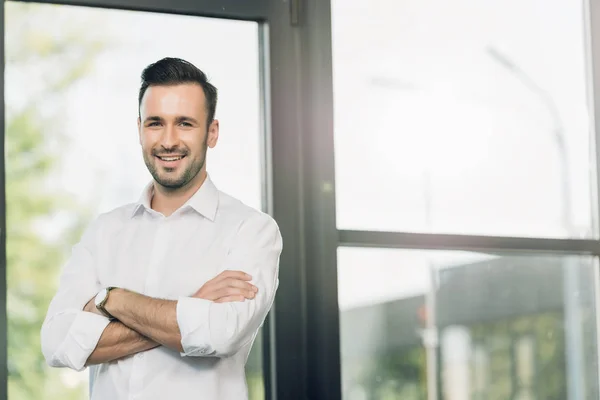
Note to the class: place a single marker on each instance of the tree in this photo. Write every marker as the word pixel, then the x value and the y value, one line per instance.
pixel 46 54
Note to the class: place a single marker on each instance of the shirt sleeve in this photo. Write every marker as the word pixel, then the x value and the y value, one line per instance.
pixel 222 329
pixel 69 335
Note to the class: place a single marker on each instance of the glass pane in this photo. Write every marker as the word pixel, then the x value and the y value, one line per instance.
pixel 73 152
pixel 468 326
pixel 462 116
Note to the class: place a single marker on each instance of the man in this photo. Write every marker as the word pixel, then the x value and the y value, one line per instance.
pixel 164 297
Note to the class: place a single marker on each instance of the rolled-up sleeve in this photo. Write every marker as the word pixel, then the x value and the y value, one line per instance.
pixel 222 329
pixel 69 335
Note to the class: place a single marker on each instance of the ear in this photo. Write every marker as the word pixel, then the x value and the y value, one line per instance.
pixel 139 123
pixel 213 134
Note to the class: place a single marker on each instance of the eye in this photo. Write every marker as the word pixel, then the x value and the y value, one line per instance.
pixel 155 123
pixel 186 124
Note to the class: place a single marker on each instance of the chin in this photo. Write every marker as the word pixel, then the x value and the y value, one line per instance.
pixel 169 182
pixel 172 184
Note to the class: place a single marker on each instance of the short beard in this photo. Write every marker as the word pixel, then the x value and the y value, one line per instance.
pixel 175 184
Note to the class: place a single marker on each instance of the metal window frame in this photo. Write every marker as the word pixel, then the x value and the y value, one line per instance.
pixel 3 320
pixel 321 236
pixel 251 10
pixel 486 244
pixel 504 245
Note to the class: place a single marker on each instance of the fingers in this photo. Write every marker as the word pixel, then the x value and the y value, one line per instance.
pixel 234 288
pixel 236 283
pixel 228 285
pixel 230 299
pixel 227 293
pixel 235 275
pixel 234 279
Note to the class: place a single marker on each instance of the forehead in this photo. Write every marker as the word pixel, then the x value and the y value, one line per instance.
pixel 184 99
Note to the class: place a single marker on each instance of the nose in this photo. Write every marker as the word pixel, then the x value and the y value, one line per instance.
pixel 170 137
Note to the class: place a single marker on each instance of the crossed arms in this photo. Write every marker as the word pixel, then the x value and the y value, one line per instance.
pixel 215 321
pixel 145 322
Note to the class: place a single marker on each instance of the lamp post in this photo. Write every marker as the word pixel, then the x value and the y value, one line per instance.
pixel 572 326
pixel 430 334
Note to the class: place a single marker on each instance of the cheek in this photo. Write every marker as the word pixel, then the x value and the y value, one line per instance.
pixel 194 141
pixel 143 142
pixel 148 140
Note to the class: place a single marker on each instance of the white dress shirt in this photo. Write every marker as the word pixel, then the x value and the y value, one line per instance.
pixel 137 248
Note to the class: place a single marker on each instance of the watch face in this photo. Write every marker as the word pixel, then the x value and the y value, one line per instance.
pixel 100 296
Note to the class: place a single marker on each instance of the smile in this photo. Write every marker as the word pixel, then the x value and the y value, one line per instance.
pixel 170 158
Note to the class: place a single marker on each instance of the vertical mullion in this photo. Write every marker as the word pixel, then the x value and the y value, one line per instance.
pixel 289 312
pixel 3 316
pixel 268 359
pixel 321 235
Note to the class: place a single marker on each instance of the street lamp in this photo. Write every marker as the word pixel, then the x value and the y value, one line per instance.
pixel 573 332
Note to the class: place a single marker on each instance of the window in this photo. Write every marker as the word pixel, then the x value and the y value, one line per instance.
pixel 462 117
pixel 73 152
pixel 495 326
pixel 466 199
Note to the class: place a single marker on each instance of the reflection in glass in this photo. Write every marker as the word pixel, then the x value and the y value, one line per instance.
pixel 72 149
pixel 499 322
pixel 462 116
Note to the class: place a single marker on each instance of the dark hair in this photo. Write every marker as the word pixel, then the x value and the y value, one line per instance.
pixel 175 71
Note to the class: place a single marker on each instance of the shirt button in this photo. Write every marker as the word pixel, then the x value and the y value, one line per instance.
pixel 141 355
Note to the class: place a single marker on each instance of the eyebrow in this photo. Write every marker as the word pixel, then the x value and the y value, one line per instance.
pixel 186 119
pixel 153 119
pixel 178 119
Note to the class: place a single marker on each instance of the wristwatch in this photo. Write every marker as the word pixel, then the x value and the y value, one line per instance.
pixel 101 299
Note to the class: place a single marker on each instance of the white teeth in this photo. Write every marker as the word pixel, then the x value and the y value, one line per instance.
pixel 170 158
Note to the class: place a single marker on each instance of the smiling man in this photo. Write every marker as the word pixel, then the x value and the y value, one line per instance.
pixel 163 298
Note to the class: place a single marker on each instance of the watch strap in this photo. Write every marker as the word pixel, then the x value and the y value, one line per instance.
pixel 101 306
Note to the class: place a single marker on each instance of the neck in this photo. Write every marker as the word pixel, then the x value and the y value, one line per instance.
pixel 166 201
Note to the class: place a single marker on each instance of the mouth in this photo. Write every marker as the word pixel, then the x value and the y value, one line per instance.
pixel 170 158
pixel 171 161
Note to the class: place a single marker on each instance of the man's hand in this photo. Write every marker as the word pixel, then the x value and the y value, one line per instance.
pixel 228 286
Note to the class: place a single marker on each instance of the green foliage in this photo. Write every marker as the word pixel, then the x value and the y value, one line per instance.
pixel 398 374
pixel 256 388
pixel 547 331
pixel 34 261
pixel 254 370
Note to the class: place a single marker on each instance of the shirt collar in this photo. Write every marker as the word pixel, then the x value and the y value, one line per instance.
pixel 205 201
